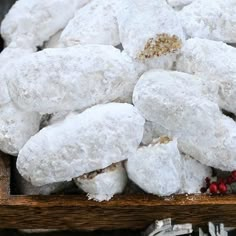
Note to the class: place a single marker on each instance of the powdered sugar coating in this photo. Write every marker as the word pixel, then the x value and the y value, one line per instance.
pixel 72 78
pixel 210 19
pixel 193 175
pixel 92 140
pixel 215 61
pixel 148 133
pixel 139 21
pixel 156 168
pixel 36 21
pixel 165 62
pixel 179 3
pixel 203 132
pixel 93 24
pixel 7 57
pixel 4 95
pixel 104 185
pixel 16 128
pixel 53 42
pixel 190 85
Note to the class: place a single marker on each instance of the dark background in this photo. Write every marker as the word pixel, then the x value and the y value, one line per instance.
pixel 4 7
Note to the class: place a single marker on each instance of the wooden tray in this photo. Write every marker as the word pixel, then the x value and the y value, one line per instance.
pixel 123 212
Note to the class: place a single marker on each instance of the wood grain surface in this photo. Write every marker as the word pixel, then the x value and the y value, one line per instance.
pixel 4 176
pixel 123 212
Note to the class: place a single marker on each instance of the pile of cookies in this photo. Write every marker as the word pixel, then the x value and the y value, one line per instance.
pixel 102 91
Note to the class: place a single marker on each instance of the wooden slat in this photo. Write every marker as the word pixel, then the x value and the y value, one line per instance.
pixel 124 212
pixel 4 176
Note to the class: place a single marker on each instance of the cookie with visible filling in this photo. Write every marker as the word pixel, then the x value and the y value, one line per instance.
pixel 102 185
pixel 185 107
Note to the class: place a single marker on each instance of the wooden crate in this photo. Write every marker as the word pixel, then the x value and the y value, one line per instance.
pixel 123 212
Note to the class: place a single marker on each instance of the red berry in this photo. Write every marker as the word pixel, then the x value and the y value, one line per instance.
pixel 213 188
pixel 222 188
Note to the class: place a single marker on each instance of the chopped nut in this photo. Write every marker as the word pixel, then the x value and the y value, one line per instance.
pixel 165 139
pixel 161 45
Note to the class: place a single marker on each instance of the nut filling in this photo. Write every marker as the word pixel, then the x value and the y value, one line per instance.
pixel 165 139
pixel 161 45
pixel 93 174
